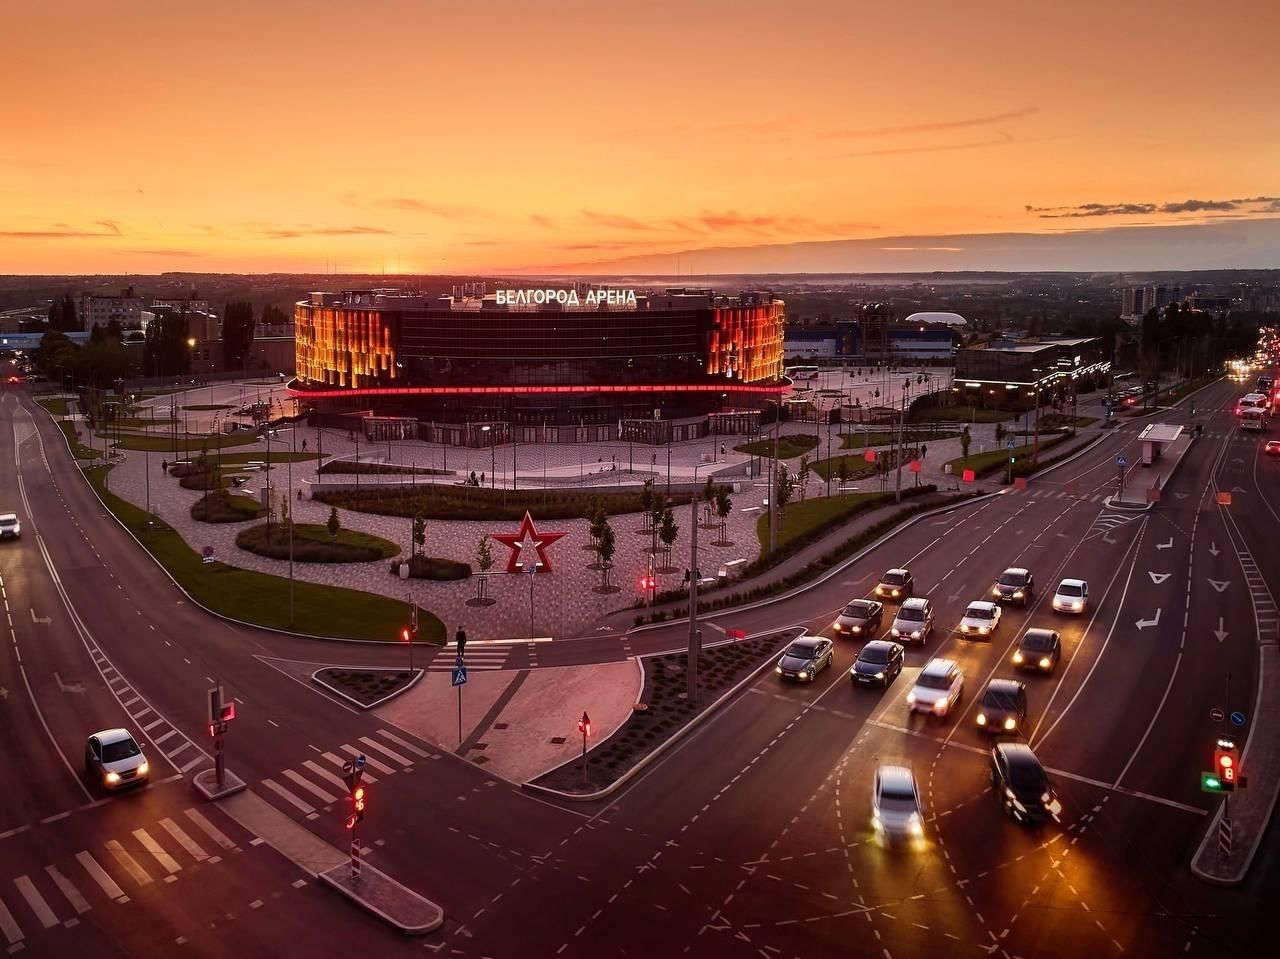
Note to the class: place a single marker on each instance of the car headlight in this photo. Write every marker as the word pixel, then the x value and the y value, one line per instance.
pixel 880 675
pixel 1054 807
pixel 804 674
pixel 894 593
pixel 984 630
pixel 1018 594
pixel 1077 605
pixel 143 769
pixel 896 632
pixel 941 705
pixel 982 719
pixel 995 590
pixel 914 824
pixel 857 629
pixel 836 626
pixel 964 627
pixel 1017 656
pixel 113 777
pixel 1010 723
pixel 879 590
pixel 778 669
pixel 915 634
pixel 911 699
pixel 876 822
pixel 1044 662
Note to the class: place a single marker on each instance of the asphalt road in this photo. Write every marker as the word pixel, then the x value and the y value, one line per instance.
pixel 751 838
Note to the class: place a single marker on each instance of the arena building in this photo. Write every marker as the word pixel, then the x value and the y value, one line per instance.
pixel 563 365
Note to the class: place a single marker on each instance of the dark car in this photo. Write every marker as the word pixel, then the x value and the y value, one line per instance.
pixel 878 664
pixel 1003 707
pixel 1015 585
pixel 895 584
pixel 862 617
pixel 1038 649
pixel 1021 784
pixel 805 658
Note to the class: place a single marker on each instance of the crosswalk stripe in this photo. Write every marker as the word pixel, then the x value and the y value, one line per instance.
pixel 309 786
pixel 375 763
pixel 421 754
pixel 130 864
pixel 78 902
pixel 36 902
pixel 324 774
pixel 185 744
pixel 8 925
pixel 209 829
pixel 152 725
pixel 340 762
pixel 186 842
pixel 386 751
pixel 159 739
pixel 157 851
pixel 99 875
pixel 191 764
pixel 288 797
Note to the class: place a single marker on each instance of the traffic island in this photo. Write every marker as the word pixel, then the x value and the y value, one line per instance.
pixel 387 899
pixel 663 716
pixel 366 688
pixel 206 784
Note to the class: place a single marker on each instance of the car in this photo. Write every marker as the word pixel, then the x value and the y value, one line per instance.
pixel 1015 585
pixel 879 662
pixel 862 617
pixel 914 621
pixel 1021 784
pixel 895 584
pixel 938 687
pixel 10 528
pixel 1272 448
pixel 114 757
pixel 805 658
pixel 15 379
pixel 1071 596
pixel 895 804
pixel 1038 649
pixel 1003 707
pixel 980 619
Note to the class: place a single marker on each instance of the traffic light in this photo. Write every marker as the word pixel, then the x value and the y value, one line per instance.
pixel 648 582
pixel 357 807
pixel 584 725
pixel 406 635
pixel 1225 764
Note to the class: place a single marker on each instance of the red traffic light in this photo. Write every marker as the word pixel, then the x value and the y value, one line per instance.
pixel 1224 764
pixel 648 582
pixel 584 725
pixel 405 635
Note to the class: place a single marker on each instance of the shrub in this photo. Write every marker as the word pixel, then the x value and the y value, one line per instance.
pixel 436 501
pixel 433 567
pixel 312 544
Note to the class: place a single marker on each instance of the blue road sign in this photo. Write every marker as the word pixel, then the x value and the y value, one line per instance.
pixel 460 676
pixel 1120 460
pixel 458 663
pixel 1009 444
pixel 1237 718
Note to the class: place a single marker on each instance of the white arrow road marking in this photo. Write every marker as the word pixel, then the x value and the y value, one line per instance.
pixel 43 620
pixel 1220 584
pixel 1158 578
pixel 1213 549
pixel 68 687
pixel 1168 545
pixel 1144 623
pixel 1106 538
pixel 1181 495
pixel 1237 489
pixel 1220 632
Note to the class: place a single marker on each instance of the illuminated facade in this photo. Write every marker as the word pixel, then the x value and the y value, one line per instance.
pixel 507 360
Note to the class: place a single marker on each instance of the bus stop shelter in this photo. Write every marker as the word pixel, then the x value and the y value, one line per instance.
pixel 1155 437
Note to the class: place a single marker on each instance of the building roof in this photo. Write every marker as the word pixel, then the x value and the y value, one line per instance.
pixel 947 319
pixel 1160 433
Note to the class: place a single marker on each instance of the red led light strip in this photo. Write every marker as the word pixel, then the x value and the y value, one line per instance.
pixel 507 390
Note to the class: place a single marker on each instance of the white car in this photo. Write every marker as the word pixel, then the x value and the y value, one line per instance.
pixel 895 804
pixel 938 687
pixel 10 528
pixel 114 757
pixel 1072 596
pixel 980 619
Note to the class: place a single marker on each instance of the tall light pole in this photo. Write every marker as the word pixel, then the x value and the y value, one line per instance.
pixel 695 634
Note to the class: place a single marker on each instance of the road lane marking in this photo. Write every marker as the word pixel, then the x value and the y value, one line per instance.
pixel 8 925
pixel 386 751
pixel 376 764
pixel 310 786
pixel 421 754
pixel 289 797
pixel 186 842
pixel 36 902
pixel 210 830
pixel 68 889
pixel 157 851
pixel 324 774
pixel 99 875
pixel 140 875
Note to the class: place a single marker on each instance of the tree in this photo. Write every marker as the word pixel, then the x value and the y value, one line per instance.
pixel 842 470
pixel 237 335
pixel 62 314
pixel 668 534
pixel 419 535
pixel 284 510
pixel 655 518
pixel 598 521
pixel 334 523
pixel 785 486
pixel 708 497
pixel 607 546
pixel 166 348
pixel 484 562
pixel 804 476
pixel 646 501
pixel 965 440
pixel 273 316
pixel 724 505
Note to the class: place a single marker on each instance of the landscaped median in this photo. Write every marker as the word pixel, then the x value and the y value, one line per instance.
pixel 990 461
pixel 449 501
pixel 790 445
pixel 261 599
pixel 78 449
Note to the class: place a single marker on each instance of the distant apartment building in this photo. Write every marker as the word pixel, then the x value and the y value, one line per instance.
pixel 125 309
pixel 1136 302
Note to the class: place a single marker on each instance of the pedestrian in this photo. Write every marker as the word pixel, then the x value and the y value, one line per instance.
pixel 473 479
pixel 482 478
pixel 923 449
pixel 164 467
pixel 304 446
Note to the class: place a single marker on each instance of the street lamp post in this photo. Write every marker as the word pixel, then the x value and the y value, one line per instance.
pixel 695 634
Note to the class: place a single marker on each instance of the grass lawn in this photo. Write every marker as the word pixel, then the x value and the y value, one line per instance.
pixel 960 414
pixel 141 422
pixel 861 439
pixel 799 519
pixel 160 443
pixel 789 446
pixel 57 406
pixel 1054 421
pixel 235 460
pixel 856 466
pixel 263 599
pixel 985 462
pixel 78 449
pixel 208 406
pixel 313 544
pixel 225 507
pixel 441 501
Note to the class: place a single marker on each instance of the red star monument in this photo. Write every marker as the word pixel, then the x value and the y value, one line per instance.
pixel 527 538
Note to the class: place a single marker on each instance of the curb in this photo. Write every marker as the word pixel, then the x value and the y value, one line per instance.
pixel 330 878
pixel 222 616
pixel 662 748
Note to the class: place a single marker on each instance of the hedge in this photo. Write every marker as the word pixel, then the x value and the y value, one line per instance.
pixel 436 501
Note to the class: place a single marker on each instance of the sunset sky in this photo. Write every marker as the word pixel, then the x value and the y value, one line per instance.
pixel 417 136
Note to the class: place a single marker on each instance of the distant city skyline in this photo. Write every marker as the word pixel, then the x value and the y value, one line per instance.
pixel 580 136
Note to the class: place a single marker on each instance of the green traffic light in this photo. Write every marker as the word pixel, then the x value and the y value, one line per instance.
pixel 1210 783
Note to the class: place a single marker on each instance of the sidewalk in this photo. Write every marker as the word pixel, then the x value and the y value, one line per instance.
pixel 1143 483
